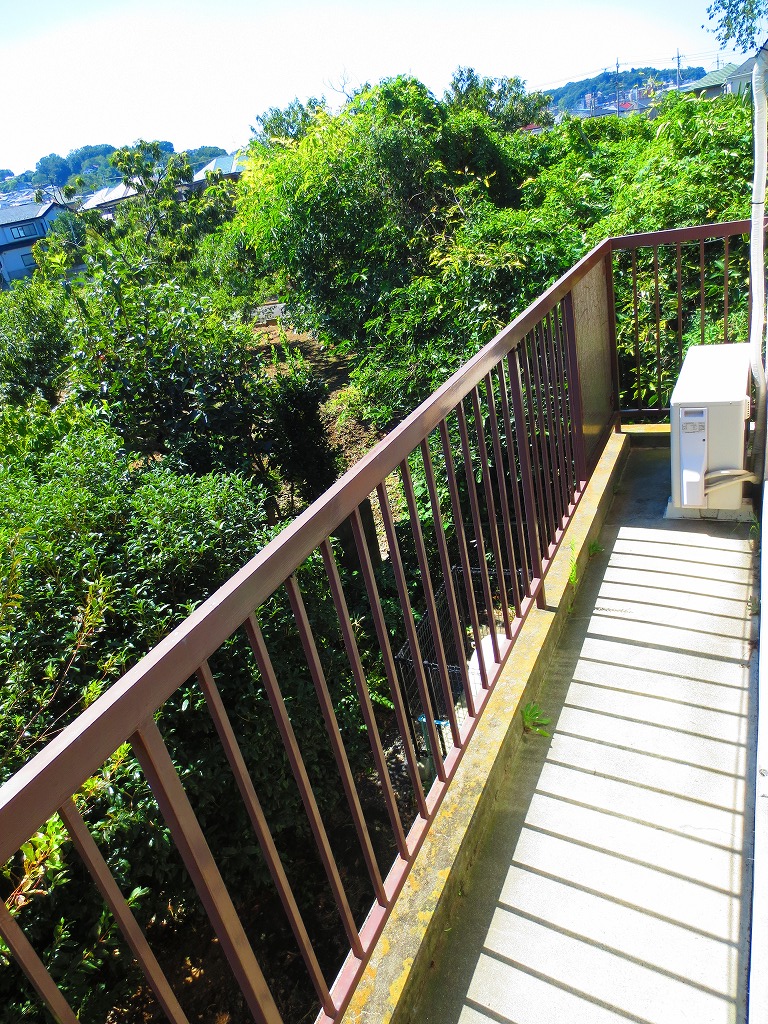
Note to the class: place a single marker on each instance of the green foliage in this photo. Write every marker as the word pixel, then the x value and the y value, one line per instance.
pixel 573 567
pixel 102 553
pixel 142 436
pixel 694 168
pixel 155 215
pixel 296 427
pixel 504 100
pixel 409 230
pixel 342 212
pixel 51 170
pixel 90 165
pixel 174 378
pixel 281 127
pixel 33 342
pixel 480 276
pixel 534 719
pixel 738 21
pixel 63 246
pixel 22 180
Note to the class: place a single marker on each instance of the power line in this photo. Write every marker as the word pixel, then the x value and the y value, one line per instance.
pixel 669 61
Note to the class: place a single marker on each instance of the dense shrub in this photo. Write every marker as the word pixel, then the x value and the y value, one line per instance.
pixel 101 554
pixel 33 342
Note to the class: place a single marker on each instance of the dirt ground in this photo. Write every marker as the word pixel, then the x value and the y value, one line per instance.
pixel 351 437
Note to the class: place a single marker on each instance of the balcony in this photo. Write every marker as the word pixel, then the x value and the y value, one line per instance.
pixel 503 545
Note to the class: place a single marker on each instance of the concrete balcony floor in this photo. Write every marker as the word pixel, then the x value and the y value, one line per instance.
pixel 614 882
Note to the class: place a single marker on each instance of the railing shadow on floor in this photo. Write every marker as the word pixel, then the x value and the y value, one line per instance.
pixel 614 883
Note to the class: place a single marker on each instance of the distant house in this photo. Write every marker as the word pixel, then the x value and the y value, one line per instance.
pixel 106 199
pixel 713 84
pixel 20 228
pixel 741 79
pixel 230 166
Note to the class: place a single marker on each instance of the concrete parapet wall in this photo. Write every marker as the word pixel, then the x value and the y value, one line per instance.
pixel 411 938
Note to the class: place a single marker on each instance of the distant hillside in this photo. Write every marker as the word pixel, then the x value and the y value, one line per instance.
pixel 89 167
pixel 572 94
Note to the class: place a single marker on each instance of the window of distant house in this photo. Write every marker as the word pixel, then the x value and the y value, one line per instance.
pixel 28 259
pixel 23 230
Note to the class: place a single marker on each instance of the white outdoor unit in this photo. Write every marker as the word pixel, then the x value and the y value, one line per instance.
pixel 708 434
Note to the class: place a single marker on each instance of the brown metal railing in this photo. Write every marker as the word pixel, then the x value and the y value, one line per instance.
pixel 465 503
pixel 675 288
pixel 499 456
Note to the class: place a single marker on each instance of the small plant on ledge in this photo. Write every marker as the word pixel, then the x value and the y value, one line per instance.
pixel 534 719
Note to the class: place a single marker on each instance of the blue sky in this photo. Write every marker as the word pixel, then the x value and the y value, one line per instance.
pixel 198 73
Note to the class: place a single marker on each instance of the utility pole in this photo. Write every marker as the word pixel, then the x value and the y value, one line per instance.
pixel 618 111
pixel 678 70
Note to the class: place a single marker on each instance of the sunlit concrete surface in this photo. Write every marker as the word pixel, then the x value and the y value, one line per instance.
pixel 613 885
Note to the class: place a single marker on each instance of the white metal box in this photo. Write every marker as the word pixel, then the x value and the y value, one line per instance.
pixel 709 409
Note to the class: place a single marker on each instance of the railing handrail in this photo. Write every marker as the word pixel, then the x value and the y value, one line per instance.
pixel 672 236
pixel 39 788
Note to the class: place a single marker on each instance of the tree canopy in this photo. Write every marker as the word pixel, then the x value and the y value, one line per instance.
pixel 288 124
pixel 504 100
pixel 742 22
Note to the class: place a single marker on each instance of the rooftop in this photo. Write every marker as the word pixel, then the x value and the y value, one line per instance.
pixel 714 78
pixel 29 211
pixel 232 163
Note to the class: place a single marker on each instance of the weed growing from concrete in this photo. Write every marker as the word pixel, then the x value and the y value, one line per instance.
pixel 534 719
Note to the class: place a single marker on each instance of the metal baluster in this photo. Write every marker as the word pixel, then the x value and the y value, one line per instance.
pixel 540 436
pixel 556 420
pixel 474 505
pixel 236 761
pixel 466 568
pixel 658 326
pixel 679 303
pixel 156 763
pixel 113 897
pixel 564 389
pixel 527 539
pixel 636 315
pixel 702 292
pixel 445 565
pixel 726 253
pixel 501 482
pixel 429 596
pixel 410 631
pixel 361 683
pixel 574 391
pixel 34 968
pixel 537 583
pixel 292 749
pixel 490 505
pixel 382 634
